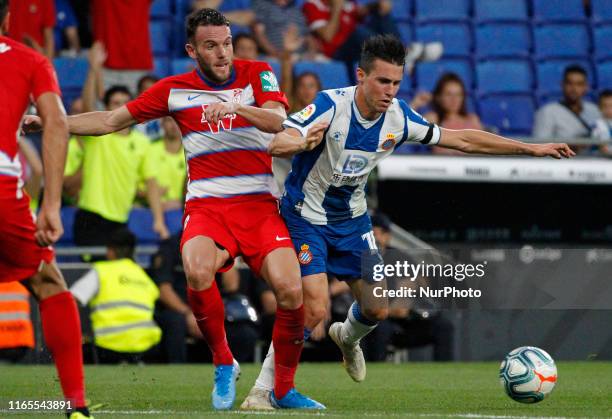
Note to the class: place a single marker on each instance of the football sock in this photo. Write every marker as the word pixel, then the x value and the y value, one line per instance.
pixel 288 341
pixel 62 331
pixel 356 325
pixel 209 312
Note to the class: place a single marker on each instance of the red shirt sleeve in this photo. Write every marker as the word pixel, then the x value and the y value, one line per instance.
pixel 151 104
pixel 43 78
pixel 265 85
pixel 48 18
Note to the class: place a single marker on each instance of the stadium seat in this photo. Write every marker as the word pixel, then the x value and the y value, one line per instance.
pixel 510 114
pixel 427 74
pixel 67 214
pixel 405 30
pixel 229 5
pixel 160 41
pixel 559 11
pixel 161 66
pixel 500 11
pixel 276 67
pixel 174 220
pixel 550 73
pixel 601 11
pixel 401 10
pixel 502 40
pixel 140 222
pixel 442 10
pixel 602 41
pixel 160 9
pixel 71 72
pixel 561 41
pixel 332 74
pixel 182 65
pixel 504 76
pixel 456 37
pixel 604 75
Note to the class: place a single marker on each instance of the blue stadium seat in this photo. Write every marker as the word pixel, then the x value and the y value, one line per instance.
pixel 604 75
pixel 140 222
pixel 427 74
pixel 500 10
pixel 276 67
pixel 442 10
pixel 456 37
pixel 504 76
pixel 160 9
pixel 67 214
pixel 401 9
pixel 510 114
pixel 160 37
pixel 174 220
pixel 558 11
pixel 405 30
pixel 332 74
pixel 71 72
pixel 550 74
pixel 561 41
pixel 601 11
pixel 502 40
pixel 602 41
pixel 182 65
pixel 161 66
pixel 229 5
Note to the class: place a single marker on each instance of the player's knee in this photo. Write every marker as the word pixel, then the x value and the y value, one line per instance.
pixel 376 314
pixel 288 294
pixel 199 276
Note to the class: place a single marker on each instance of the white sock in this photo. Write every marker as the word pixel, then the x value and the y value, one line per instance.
pixel 355 326
pixel 265 380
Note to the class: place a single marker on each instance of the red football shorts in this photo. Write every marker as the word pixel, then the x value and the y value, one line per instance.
pixel 20 255
pixel 251 227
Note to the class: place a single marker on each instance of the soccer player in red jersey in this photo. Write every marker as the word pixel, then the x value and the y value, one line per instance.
pixel 25 243
pixel 227 111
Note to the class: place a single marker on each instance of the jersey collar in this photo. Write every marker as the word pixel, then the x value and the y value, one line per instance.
pixel 214 85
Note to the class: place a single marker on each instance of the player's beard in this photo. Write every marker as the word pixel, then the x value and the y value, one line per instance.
pixel 206 69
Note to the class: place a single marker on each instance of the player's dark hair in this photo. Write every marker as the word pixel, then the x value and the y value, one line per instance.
pixel 4 7
pixel 123 243
pixel 236 39
pixel 383 47
pixel 436 103
pixel 605 94
pixel 203 17
pixel 574 69
pixel 144 79
pixel 119 88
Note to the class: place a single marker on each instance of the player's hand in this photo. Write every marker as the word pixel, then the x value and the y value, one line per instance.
pixel 160 228
pixel 31 124
pixel 315 135
pixel 49 227
pixel 292 41
pixel 555 150
pixel 217 111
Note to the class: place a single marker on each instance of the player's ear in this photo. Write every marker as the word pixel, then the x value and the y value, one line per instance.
pixel 190 48
pixel 361 74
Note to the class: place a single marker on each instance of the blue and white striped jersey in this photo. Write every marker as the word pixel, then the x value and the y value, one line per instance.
pixel 326 184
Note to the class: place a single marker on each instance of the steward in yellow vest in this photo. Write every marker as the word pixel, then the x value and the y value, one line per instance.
pixel 121 297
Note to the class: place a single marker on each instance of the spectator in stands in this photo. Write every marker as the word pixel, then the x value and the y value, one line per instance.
pixel 274 17
pixel 151 129
pixel 123 28
pixel 603 126
pixel 168 158
pixel 245 47
pixel 66 32
pixel 407 326
pixel 110 168
pixel 173 313
pixel 32 23
pixel 16 330
pixel 241 17
pixel 571 117
pixel 121 297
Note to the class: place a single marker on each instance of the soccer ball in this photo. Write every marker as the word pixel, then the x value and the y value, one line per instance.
pixel 528 374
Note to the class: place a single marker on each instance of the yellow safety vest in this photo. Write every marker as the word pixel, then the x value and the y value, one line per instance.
pixel 122 311
pixel 15 324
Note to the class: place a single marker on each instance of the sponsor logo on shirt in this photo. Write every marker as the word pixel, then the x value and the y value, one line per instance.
pixel 354 163
pixel 268 82
pixel 224 124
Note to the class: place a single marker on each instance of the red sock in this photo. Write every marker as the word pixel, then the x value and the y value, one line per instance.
pixel 62 330
pixel 207 306
pixel 288 340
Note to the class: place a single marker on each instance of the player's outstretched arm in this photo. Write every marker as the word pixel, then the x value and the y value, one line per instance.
pixel 290 142
pixel 482 142
pixel 90 123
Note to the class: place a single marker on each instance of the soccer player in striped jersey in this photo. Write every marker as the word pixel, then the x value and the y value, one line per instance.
pixel 227 111
pixel 324 203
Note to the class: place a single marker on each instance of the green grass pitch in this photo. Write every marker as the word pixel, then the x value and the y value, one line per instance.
pixel 469 390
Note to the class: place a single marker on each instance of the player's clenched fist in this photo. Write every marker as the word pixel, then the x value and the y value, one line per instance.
pixel 314 136
pixel 217 111
pixel 31 124
pixel 553 150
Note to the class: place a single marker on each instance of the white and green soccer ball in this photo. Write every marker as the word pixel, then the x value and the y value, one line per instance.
pixel 528 374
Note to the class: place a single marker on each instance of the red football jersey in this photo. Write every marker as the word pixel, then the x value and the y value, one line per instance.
pixel 317 14
pixel 228 159
pixel 26 75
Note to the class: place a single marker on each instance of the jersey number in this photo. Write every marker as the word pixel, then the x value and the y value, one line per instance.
pixel 369 237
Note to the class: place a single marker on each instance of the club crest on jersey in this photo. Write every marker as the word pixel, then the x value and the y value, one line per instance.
pixel 305 114
pixel 389 142
pixel 224 124
pixel 305 255
pixel 268 82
